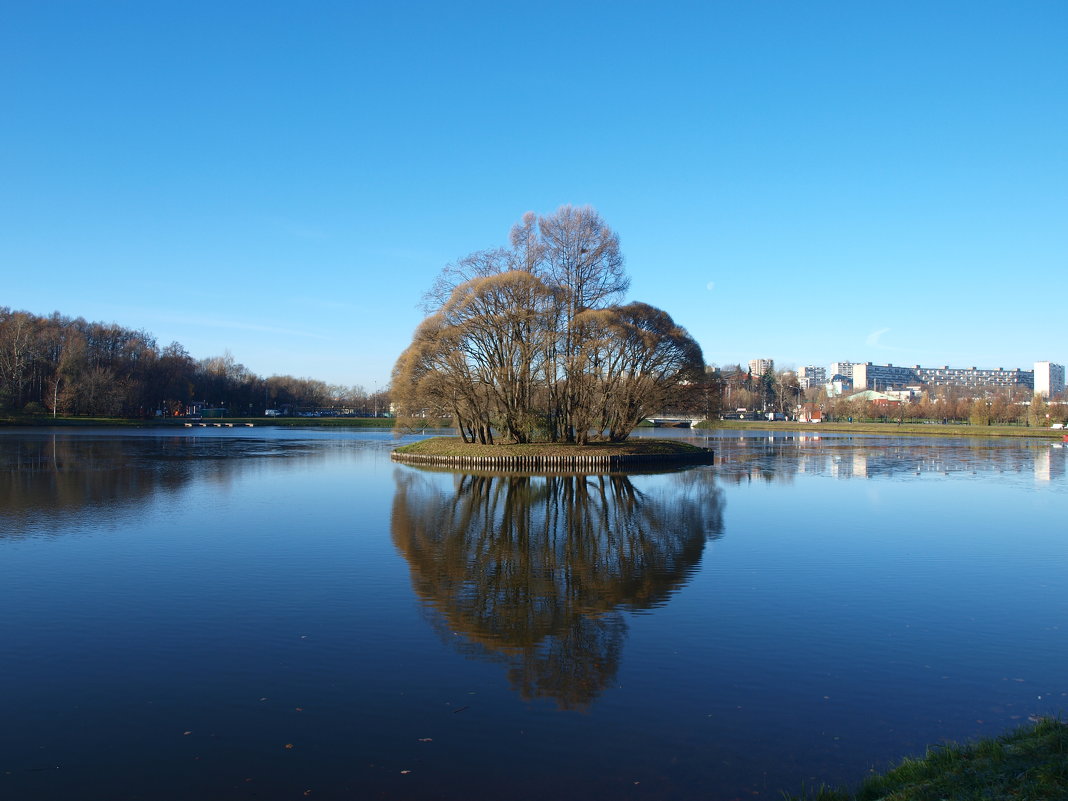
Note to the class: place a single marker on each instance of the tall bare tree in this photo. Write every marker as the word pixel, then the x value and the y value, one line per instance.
pixel 525 340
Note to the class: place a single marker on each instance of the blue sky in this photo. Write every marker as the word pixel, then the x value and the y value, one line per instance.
pixel 813 182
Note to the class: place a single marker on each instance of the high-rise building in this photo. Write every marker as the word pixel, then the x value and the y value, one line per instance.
pixel 1049 379
pixel 761 366
pixel 840 368
pixel 811 376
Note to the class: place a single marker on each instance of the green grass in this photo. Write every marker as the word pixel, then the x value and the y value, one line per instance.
pixel 454 447
pixel 1029 764
pixel 891 428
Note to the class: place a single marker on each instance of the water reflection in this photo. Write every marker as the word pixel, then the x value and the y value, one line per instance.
pixel 780 458
pixel 533 571
pixel 54 483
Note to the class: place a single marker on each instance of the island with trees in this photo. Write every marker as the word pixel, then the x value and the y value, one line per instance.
pixel 531 346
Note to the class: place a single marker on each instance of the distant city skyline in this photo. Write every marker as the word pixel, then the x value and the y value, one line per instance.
pixel 1045 377
pixel 807 182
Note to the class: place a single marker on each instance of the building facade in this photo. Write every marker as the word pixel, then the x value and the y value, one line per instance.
pixel 882 376
pixel 809 376
pixel 973 377
pixel 761 366
pixel 887 376
pixel 1049 379
pixel 840 368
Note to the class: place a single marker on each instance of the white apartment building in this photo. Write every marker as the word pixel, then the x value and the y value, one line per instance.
pixel 840 368
pixel 761 366
pixel 1049 379
pixel 973 377
pixel 887 376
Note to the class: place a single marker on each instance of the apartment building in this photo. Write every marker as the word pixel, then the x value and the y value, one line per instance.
pixel 840 368
pixel 761 366
pixel 811 376
pixel 973 377
pixel 1049 379
pixel 880 376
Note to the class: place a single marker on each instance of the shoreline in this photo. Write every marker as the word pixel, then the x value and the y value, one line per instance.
pixel 890 429
pixel 884 429
pixel 180 422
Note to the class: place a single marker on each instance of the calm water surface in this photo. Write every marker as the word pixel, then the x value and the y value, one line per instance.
pixel 284 614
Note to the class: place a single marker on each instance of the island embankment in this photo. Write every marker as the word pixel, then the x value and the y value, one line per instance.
pixel 1030 763
pixel 454 452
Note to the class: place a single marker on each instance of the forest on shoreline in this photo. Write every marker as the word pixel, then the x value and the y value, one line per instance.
pixel 68 366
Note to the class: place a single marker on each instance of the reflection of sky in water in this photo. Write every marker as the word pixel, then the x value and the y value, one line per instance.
pixel 867 597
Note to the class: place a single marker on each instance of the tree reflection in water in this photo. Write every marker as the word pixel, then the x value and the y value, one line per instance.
pixel 50 483
pixel 534 571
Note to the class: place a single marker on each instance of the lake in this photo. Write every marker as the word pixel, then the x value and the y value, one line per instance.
pixel 274 613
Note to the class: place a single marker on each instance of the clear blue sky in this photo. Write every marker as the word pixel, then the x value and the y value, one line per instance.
pixel 812 182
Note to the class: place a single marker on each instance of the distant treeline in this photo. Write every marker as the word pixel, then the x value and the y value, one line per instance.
pixel 73 367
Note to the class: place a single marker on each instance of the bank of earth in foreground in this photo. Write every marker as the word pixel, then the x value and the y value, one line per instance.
pixel 1029 764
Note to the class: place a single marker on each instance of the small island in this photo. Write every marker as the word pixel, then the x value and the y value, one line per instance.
pixel 454 452
pixel 531 354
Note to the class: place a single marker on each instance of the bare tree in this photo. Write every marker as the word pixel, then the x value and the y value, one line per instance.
pixel 525 340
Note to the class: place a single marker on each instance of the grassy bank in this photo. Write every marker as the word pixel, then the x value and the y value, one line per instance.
pixel 455 447
pixel 1029 764
pixel 892 429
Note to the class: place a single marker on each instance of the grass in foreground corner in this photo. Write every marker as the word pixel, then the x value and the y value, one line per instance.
pixel 1029 764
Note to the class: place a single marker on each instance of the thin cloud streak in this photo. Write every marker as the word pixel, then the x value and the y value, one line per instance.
pixel 207 322
pixel 874 337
